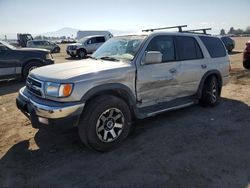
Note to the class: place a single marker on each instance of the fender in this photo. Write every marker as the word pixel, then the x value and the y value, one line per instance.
pixel 25 62
pixel 117 89
pixel 205 76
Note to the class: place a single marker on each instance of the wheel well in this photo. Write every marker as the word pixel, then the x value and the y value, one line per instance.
pixel 205 78
pixel 30 61
pixel 82 49
pixel 120 93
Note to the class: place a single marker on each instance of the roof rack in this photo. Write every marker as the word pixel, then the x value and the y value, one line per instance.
pixel 194 30
pixel 162 28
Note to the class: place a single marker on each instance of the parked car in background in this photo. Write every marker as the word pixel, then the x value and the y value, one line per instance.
pixel 16 62
pixel 68 41
pixel 85 46
pixel 228 42
pixel 44 44
pixel 246 56
pixel 131 76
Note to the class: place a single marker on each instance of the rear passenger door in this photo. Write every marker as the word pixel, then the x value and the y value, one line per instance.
pixel 192 64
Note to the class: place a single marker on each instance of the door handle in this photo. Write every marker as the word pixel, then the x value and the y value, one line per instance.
pixel 173 70
pixel 204 66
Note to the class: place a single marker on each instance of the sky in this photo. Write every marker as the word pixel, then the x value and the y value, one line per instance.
pixel 40 16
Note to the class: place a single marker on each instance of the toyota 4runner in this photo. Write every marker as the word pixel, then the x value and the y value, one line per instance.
pixel 128 77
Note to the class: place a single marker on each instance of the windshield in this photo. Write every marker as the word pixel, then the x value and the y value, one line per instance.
pixel 7 45
pixel 119 48
pixel 82 40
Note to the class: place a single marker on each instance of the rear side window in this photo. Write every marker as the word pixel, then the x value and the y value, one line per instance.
pixel 214 46
pixel 165 45
pixel 100 39
pixel 188 48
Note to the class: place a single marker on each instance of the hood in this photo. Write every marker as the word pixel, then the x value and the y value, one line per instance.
pixel 72 71
pixel 32 49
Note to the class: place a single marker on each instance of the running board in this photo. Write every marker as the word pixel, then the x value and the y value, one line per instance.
pixel 167 106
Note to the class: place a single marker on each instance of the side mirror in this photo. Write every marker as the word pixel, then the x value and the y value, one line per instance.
pixel 152 57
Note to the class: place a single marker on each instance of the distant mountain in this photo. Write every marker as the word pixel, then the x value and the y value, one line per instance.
pixel 66 31
pixel 69 32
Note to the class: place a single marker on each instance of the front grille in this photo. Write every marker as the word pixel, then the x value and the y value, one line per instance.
pixel 34 86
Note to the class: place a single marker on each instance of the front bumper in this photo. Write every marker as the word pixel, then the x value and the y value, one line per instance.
pixel 42 111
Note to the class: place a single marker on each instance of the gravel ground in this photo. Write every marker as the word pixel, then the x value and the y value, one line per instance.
pixel 192 147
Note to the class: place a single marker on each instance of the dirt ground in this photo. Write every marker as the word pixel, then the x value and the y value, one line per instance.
pixel 192 147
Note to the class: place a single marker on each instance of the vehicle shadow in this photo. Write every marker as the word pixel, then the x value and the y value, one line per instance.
pixel 234 52
pixel 10 86
pixel 192 147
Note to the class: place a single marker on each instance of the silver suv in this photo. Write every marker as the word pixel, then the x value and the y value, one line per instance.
pixel 128 77
pixel 85 46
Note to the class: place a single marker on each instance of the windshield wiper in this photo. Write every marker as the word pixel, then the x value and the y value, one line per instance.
pixel 109 58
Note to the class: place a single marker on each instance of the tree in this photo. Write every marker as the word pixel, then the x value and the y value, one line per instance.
pixel 247 30
pixel 222 32
pixel 231 31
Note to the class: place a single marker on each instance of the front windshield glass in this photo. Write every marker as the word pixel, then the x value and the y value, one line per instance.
pixel 119 48
pixel 82 40
pixel 7 45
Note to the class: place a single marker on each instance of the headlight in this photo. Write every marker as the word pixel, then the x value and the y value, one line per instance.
pixel 58 90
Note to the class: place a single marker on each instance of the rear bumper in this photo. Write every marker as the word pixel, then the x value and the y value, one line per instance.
pixel 40 113
pixel 246 63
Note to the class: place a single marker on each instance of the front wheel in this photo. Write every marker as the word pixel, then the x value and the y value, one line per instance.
pixel 81 54
pixel 210 92
pixel 105 123
pixel 29 67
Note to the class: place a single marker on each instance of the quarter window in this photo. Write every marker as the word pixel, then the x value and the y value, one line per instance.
pixel 188 48
pixel 165 45
pixel 100 39
pixel 214 46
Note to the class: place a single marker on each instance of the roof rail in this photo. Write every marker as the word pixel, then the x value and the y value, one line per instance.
pixel 162 28
pixel 194 30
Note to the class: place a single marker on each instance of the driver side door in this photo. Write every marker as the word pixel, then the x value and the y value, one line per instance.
pixel 158 82
pixel 7 63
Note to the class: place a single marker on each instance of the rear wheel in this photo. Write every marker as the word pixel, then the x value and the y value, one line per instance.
pixel 81 53
pixel 210 92
pixel 29 67
pixel 105 123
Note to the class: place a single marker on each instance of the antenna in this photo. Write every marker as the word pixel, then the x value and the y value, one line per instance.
pixel 204 30
pixel 162 28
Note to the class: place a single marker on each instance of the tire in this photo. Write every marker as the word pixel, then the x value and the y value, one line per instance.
pixel 81 53
pixel 210 92
pixel 105 123
pixel 29 67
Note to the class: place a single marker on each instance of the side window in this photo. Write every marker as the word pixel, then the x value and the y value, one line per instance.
pixel 36 43
pixel 214 46
pixel 100 39
pixel 188 48
pixel 165 45
pixel 92 40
